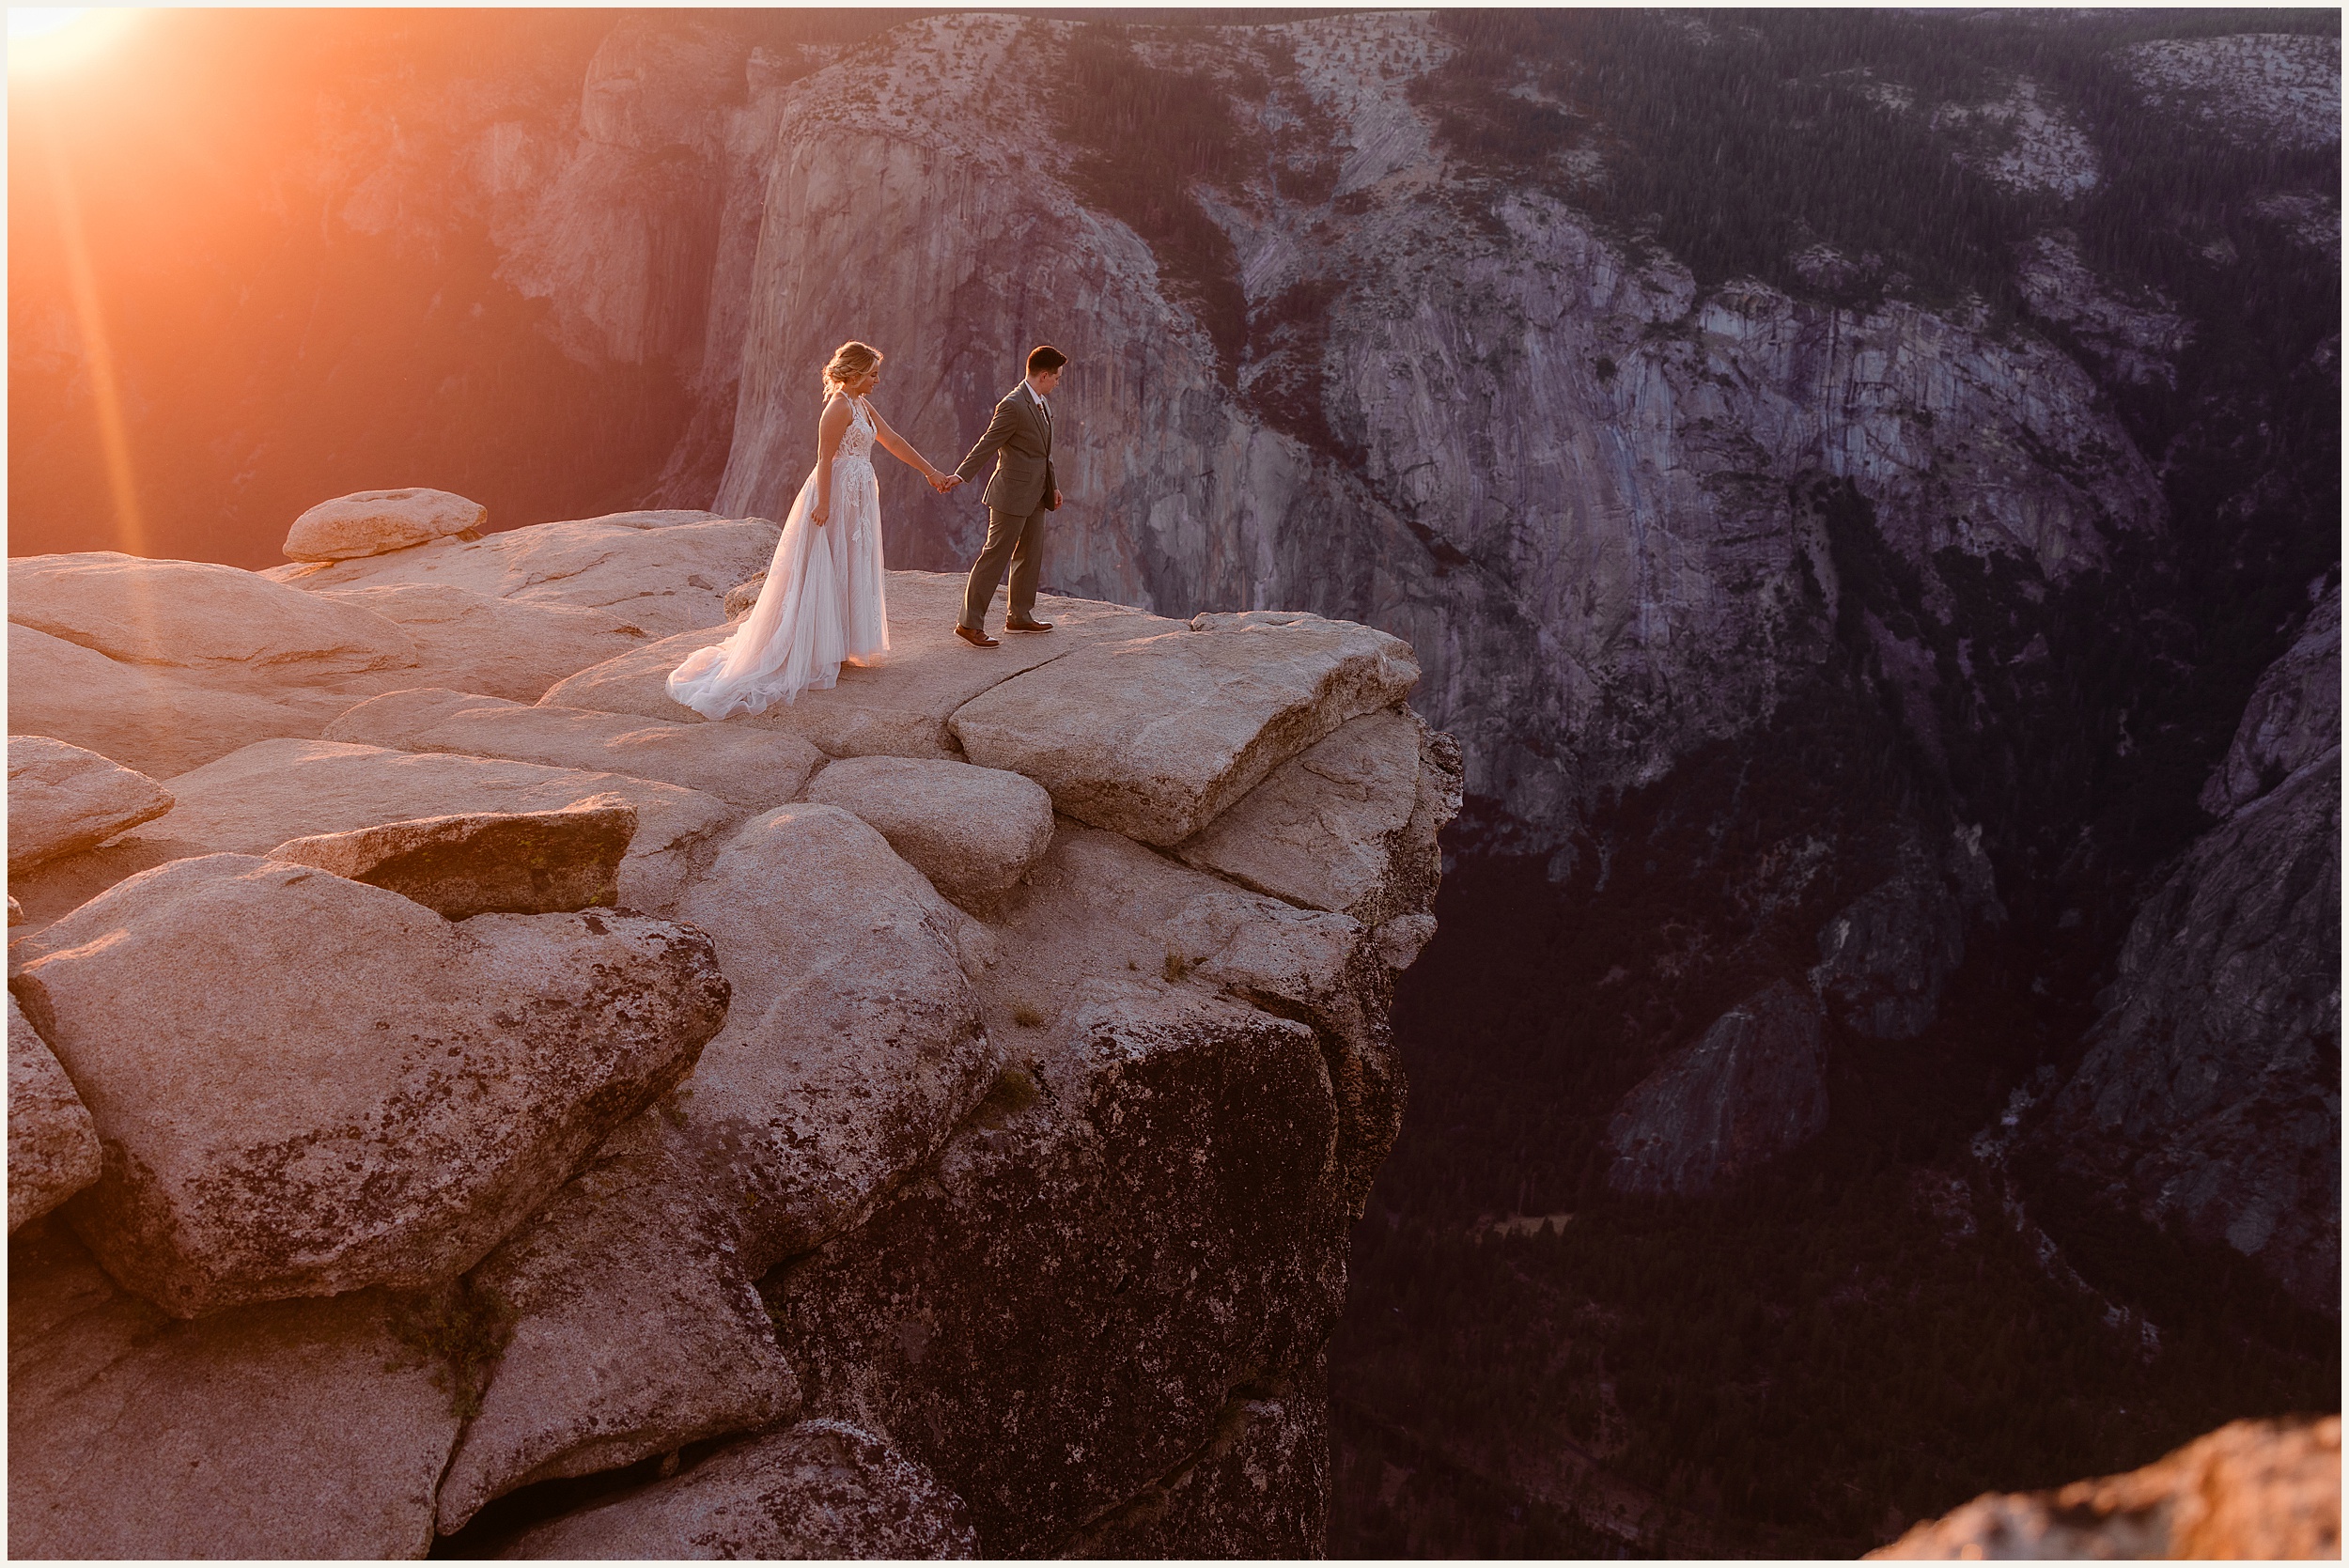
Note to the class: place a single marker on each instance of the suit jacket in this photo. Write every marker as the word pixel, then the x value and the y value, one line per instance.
pixel 1020 437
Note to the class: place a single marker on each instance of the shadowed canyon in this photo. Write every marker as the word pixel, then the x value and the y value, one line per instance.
pixel 1857 495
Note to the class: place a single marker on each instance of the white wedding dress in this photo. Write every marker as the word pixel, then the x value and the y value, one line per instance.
pixel 821 603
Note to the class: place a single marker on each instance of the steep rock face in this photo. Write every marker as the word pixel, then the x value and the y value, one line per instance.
pixel 1565 479
pixel 2293 716
pixel 1754 1087
pixel 2210 1098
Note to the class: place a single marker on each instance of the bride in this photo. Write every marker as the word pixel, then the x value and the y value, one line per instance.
pixel 822 600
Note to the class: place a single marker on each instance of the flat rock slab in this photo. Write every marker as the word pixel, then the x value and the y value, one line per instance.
pixel 53 1146
pixel 375 523
pixel 254 799
pixel 486 863
pixel 897 706
pixel 63 799
pixel 1153 737
pixel 299 1429
pixel 748 767
pixel 664 579
pixel 974 831
pixel 854 1049
pixel 303 1085
pixel 1320 831
pixel 821 1489
pixel 142 717
pixel 197 616
pixel 501 647
pixel 1751 1088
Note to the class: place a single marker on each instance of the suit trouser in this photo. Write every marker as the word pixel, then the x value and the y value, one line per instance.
pixel 1019 540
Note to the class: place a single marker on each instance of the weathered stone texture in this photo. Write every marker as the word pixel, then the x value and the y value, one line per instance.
pixel 974 831
pixel 303 1085
pixel 297 1429
pixel 375 523
pixel 53 1148
pixel 821 1489
pixel 63 799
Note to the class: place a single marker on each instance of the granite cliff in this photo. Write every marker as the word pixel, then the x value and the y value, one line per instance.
pixel 1842 478
pixel 788 1137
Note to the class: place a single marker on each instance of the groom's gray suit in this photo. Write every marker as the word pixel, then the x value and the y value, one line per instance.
pixel 1017 498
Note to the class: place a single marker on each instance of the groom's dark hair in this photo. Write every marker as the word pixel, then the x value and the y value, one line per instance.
pixel 1044 359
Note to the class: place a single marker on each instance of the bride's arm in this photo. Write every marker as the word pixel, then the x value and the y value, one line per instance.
pixel 829 429
pixel 902 448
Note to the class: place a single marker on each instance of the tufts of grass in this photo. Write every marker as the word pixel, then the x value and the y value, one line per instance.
pixel 459 1330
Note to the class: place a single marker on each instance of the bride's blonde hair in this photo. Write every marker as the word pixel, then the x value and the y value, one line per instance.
pixel 850 360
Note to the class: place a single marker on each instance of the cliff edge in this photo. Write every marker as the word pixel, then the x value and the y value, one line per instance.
pixel 455 1090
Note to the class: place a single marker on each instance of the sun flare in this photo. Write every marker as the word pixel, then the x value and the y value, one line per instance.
pixel 53 38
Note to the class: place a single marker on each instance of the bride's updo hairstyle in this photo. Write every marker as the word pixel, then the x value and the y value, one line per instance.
pixel 850 360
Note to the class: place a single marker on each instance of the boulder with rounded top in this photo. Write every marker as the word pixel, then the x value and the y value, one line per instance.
pixel 63 799
pixel 303 1085
pixel 375 523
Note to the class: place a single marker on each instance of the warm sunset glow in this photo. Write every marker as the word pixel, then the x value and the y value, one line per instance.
pixel 53 38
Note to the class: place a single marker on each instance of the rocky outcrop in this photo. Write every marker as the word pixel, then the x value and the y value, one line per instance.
pixel 375 523
pixel 821 1489
pixel 2292 719
pixel 485 863
pixel 63 799
pixel 1884 960
pixel 272 1128
pixel 2209 1099
pixel 898 708
pixel 1213 710
pixel 950 1175
pixel 1752 1088
pixel 2252 1489
pixel 53 1148
pixel 1343 825
pixel 2260 88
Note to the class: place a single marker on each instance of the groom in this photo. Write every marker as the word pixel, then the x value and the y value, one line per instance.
pixel 1022 492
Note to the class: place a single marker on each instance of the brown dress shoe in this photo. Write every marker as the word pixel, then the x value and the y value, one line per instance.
pixel 976 638
pixel 1027 625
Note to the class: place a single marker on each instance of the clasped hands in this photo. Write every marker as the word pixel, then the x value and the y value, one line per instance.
pixel 944 483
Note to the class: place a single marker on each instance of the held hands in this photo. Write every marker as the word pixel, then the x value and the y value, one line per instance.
pixel 945 483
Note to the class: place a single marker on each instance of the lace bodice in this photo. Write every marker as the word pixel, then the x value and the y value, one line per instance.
pixel 857 439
